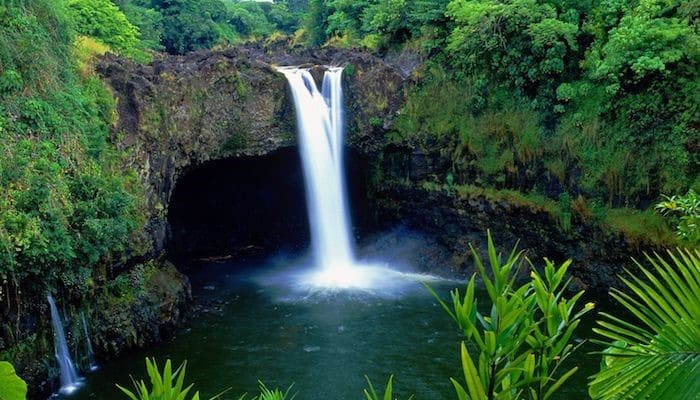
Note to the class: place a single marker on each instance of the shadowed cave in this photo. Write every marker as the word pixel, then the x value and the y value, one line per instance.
pixel 251 206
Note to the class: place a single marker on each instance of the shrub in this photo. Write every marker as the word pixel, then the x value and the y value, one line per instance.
pixel 167 385
pixel 686 209
pixel 525 336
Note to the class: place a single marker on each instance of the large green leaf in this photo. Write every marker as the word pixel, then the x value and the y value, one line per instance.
pixel 656 356
pixel 12 387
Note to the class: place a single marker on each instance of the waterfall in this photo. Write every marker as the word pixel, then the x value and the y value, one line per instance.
pixel 320 126
pixel 88 343
pixel 69 376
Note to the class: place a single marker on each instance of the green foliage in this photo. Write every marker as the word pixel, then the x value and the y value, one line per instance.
pixel 371 394
pixel 657 352
pixel 66 204
pixel 601 96
pixel 251 19
pixel 434 111
pixel 638 226
pixel 12 387
pixel 653 38
pixel 273 394
pixel 377 24
pixel 189 26
pixel 315 23
pixel 181 26
pixel 149 23
pixel 525 44
pixel 524 337
pixel 497 143
pixel 170 385
pixel 102 20
pixel 642 67
pixel 167 385
pixel 388 17
pixel 35 46
pixel 687 210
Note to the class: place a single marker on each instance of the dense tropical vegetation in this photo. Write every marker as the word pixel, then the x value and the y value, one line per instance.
pixel 66 204
pixel 587 108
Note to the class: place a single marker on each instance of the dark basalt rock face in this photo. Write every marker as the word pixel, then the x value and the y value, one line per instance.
pixel 456 221
pixel 183 111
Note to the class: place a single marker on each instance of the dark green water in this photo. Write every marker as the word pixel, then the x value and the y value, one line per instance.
pixel 324 343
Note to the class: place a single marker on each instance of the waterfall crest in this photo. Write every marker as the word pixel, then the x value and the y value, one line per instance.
pixel 69 375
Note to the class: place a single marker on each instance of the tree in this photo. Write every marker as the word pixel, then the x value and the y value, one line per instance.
pixel 687 209
pixel 345 18
pixel 102 20
pixel 526 44
pixel 316 22
pixel 249 19
pixel 190 25
pixel 148 21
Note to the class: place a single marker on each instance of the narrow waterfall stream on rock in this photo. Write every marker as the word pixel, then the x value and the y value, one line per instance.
pixel 68 374
pixel 92 365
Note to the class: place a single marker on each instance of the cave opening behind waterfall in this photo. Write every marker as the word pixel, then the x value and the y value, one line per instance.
pixel 252 206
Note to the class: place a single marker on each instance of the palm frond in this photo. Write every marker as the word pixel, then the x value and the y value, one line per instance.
pixel 658 355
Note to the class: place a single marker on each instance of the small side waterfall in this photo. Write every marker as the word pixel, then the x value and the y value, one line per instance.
pixel 88 343
pixel 69 376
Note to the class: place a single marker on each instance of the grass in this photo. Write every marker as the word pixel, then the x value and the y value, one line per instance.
pixel 86 52
pixel 638 227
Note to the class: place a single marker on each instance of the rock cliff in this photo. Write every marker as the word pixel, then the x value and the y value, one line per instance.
pixel 180 112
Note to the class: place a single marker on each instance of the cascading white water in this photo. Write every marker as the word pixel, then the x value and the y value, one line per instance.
pixel 320 126
pixel 68 374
